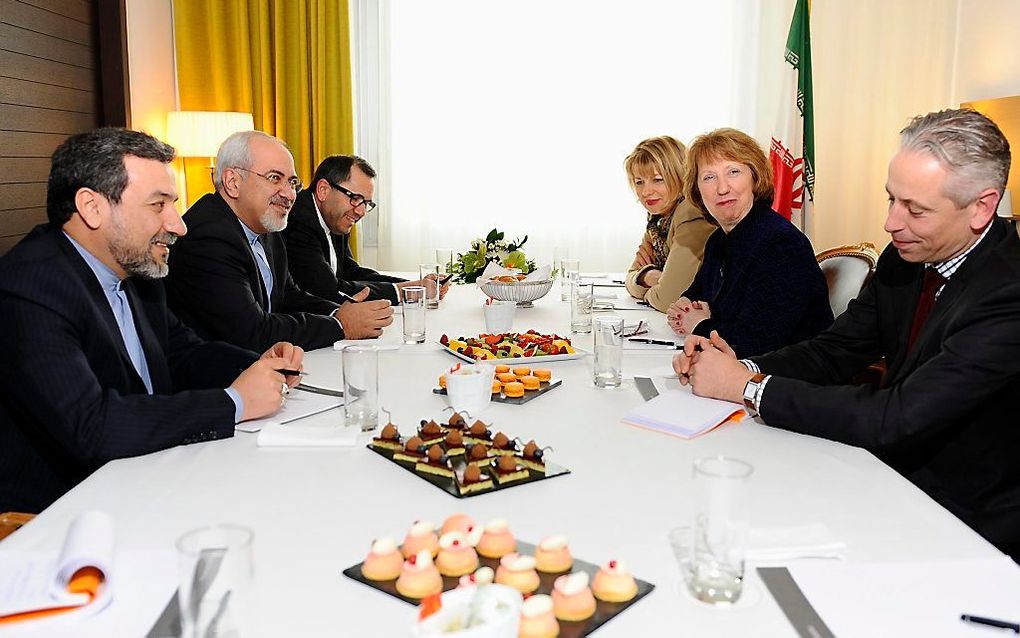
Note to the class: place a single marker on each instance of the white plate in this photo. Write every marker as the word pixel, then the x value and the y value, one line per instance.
pixel 577 354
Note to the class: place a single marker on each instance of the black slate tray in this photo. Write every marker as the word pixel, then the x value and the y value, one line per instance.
pixel 604 612
pixel 449 485
pixel 543 387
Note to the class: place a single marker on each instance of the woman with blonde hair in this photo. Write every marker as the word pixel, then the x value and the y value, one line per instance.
pixel 759 285
pixel 674 241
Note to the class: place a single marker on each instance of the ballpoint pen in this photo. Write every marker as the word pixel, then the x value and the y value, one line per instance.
pixel 991 622
pixel 657 342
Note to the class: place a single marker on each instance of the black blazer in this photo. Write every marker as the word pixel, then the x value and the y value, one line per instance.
pixel 946 415
pixel 762 283
pixel 215 287
pixel 308 253
pixel 70 399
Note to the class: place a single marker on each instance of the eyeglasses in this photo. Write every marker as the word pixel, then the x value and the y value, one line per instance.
pixel 274 178
pixel 357 199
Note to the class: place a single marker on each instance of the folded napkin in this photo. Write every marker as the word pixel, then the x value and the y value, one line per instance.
pixel 494 270
pixel 275 434
pixel 780 544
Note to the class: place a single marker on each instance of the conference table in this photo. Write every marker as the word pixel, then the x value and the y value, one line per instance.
pixel 315 511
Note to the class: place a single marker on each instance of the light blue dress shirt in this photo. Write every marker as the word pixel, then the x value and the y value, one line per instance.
pixel 262 261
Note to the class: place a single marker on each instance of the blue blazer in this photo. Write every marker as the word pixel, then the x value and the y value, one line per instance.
pixel 70 399
pixel 763 285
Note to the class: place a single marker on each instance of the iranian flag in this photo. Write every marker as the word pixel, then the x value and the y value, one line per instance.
pixel 792 152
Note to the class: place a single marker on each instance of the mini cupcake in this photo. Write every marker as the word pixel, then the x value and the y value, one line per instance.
pixel 419 576
pixel 553 555
pixel 496 540
pixel 422 535
pixel 518 572
pixel 572 598
pixel 456 555
pixel 538 619
pixel 459 522
pixel 383 561
pixel 613 583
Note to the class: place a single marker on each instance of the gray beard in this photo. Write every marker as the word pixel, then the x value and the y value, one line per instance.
pixel 271 223
pixel 137 261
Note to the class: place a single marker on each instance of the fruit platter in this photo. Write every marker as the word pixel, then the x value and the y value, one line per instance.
pixel 521 347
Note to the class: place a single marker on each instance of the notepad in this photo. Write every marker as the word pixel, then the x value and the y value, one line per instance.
pixel 681 413
pixel 299 404
pixel 36 585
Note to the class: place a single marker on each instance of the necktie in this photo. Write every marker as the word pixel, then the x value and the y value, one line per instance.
pixel 929 288
pixel 262 261
pixel 126 323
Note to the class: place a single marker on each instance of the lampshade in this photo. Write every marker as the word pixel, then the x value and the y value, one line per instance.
pixel 1005 208
pixel 200 133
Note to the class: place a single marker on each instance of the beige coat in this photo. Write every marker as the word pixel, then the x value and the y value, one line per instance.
pixel 687 236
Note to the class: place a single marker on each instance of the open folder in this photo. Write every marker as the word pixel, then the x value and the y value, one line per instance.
pixel 78 580
pixel 681 413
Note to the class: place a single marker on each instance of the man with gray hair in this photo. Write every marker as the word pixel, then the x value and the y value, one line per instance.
pixel 942 309
pixel 230 278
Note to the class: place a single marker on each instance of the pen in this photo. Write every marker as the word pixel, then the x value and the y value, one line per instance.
pixel 657 342
pixel 292 373
pixel 991 622
pixel 346 296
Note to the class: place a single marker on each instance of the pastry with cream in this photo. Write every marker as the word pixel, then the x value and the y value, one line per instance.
pixel 459 522
pixel 513 389
pixel 388 439
pixel 412 452
pixel 518 572
pixel 454 443
pixel 422 535
pixel 530 382
pixel 419 577
pixel 383 561
pixel 473 480
pixel 507 469
pixel 497 541
pixel 430 432
pixel 553 555
pixel 502 446
pixel 532 457
pixel 572 598
pixel 436 462
pixel 456 555
pixel 538 619
pixel 482 576
pixel 614 583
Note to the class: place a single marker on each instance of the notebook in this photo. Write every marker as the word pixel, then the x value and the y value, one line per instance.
pixel 680 413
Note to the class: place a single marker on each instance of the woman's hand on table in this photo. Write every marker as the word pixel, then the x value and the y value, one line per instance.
pixel 683 315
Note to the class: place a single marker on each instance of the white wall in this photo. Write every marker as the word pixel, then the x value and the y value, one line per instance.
pixel 151 64
pixel 987 51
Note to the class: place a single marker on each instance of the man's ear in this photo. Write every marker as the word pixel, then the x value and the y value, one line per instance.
pixel 322 189
pixel 90 206
pixel 984 208
pixel 231 183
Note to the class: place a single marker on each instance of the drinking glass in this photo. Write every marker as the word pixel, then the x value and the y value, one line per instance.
pixel 582 296
pixel 216 589
pixel 444 257
pixel 719 542
pixel 361 386
pixel 412 309
pixel 429 276
pixel 569 271
pixel 559 254
pixel 499 316
pixel 608 339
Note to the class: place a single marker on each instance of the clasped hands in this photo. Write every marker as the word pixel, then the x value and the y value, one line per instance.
pixel 711 368
pixel 263 388
pixel 364 319
pixel 683 315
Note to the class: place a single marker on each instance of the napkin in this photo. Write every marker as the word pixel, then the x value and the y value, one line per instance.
pixel 275 434
pixel 494 270
pixel 780 544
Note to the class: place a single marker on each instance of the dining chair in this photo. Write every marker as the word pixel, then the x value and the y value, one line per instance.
pixel 846 269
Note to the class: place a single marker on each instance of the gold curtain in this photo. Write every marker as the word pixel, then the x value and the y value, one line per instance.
pixel 287 62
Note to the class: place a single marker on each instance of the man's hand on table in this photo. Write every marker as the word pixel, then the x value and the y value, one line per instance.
pixel 711 368
pixel 291 354
pixel 364 319
pixel 261 387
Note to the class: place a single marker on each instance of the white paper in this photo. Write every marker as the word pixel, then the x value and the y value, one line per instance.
pixel 299 404
pixel 301 435
pixel 781 544
pixel 681 413
pixel 35 581
pixel 911 599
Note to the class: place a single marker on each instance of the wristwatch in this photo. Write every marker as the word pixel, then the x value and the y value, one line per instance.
pixel 751 390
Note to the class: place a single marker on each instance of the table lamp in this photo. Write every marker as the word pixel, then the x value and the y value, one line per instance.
pixel 200 133
pixel 1005 208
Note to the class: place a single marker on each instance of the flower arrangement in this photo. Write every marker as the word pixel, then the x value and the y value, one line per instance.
pixel 493 248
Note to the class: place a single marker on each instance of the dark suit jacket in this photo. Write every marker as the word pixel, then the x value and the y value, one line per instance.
pixel 70 399
pixel 215 287
pixel 763 285
pixel 946 415
pixel 308 253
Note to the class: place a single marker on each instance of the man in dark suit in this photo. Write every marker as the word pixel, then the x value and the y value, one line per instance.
pixel 230 279
pixel 319 229
pixel 98 368
pixel 943 308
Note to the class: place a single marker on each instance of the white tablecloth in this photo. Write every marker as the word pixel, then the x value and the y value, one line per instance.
pixel 316 511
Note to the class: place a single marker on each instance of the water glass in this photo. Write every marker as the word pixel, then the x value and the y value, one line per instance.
pixel 719 530
pixel 499 316
pixel 570 270
pixel 582 296
pixel 559 254
pixel 412 309
pixel 444 257
pixel 216 588
pixel 429 276
pixel 608 340
pixel 361 386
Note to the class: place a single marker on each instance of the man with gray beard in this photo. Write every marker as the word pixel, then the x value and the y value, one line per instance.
pixel 98 368
pixel 230 279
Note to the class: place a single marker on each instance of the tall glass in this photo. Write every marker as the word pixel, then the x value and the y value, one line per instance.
pixel 216 587
pixel 608 338
pixel 721 521
pixel 444 257
pixel 559 254
pixel 361 386
pixel 412 309
pixel 582 297
pixel 570 270
pixel 429 276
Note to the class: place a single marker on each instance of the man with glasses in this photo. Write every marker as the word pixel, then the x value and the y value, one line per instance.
pixel 230 279
pixel 320 224
pixel 943 309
